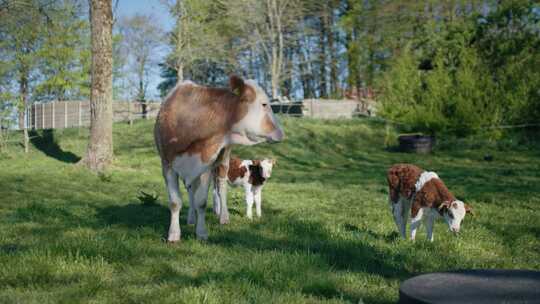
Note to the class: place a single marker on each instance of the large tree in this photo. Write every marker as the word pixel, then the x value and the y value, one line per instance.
pixel 100 146
pixel 22 26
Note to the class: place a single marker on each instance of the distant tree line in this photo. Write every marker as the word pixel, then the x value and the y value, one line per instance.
pixel 438 66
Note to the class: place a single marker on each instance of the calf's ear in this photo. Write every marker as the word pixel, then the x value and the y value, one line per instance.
pixel 445 204
pixel 469 209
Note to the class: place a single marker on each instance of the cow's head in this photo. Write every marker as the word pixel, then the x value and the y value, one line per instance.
pixel 259 123
pixel 453 213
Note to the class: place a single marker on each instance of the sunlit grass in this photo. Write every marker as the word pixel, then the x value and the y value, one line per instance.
pixel 68 235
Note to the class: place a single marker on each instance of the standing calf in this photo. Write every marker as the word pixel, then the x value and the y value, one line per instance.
pixel 251 175
pixel 422 193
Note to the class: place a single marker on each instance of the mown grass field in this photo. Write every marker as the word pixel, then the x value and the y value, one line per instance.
pixel 326 236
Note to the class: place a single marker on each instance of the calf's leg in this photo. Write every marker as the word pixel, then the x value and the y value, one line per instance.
pixel 397 212
pixel 249 200
pixel 416 220
pixel 257 193
pixel 429 226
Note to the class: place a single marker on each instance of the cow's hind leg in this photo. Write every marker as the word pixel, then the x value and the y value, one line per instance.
pixel 191 218
pixel 215 195
pixel 200 194
pixel 175 203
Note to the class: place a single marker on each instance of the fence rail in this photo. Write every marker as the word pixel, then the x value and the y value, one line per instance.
pixel 67 114
pixel 326 108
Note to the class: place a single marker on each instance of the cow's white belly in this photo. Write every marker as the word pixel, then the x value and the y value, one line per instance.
pixel 189 167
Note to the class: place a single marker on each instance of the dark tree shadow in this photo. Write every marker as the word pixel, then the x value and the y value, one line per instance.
pixel 44 141
pixel 135 215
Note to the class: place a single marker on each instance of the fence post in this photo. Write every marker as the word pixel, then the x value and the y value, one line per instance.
pixel 53 116
pixel 65 115
pixel 80 118
pixel 42 116
pixel 34 112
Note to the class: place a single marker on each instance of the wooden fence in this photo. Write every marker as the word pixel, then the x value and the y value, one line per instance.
pixel 67 114
pixel 326 108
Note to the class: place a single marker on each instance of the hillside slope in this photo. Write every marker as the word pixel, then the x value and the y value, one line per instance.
pixel 326 234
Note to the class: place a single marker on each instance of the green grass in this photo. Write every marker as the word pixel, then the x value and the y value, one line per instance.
pixel 326 236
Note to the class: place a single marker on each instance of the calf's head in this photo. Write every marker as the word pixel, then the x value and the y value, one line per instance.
pixel 453 213
pixel 259 124
pixel 266 167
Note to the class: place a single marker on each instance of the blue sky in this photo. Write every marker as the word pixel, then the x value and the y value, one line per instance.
pixel 159 11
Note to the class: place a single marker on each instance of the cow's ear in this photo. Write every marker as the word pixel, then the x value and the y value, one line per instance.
pixel 237 84
pixel 241 89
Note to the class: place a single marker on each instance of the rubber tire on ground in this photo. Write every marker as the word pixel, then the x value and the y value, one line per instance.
pixel 473 286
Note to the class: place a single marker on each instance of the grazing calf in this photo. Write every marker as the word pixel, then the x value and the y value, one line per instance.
pixel 194 131
pixel 424 194
pixel 251 175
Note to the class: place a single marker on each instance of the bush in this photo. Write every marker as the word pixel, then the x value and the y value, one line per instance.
pixel 464 77
pixel 454 98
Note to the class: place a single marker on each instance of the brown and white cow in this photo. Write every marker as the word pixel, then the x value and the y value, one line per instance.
pixel 250 175
pixel 195 129
pixel 422 193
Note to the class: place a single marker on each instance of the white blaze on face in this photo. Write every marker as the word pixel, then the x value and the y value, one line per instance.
pixel 266 165
pixel 454 215
pixel 259 124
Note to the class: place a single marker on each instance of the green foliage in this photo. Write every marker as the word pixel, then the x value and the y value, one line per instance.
pixel 465 76
pixel 509 41
pixel 327 237
pixel 45 51
pixel 64 56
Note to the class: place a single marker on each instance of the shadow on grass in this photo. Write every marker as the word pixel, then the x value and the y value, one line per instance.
pixel 45 143
pixel 135 215
pixel 312 238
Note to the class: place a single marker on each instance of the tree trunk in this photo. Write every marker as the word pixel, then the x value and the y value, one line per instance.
pixel 181 39
pixel 332 50
pixel 100 146
pixel 323 92
pixel 23 90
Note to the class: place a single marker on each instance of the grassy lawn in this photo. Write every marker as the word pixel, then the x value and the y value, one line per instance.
pixel 326 235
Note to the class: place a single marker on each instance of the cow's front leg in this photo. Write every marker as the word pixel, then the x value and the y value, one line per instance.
pixel 200 195
pixel 175 203
pixel 222 172
pixel 249 200
pixel 257 193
